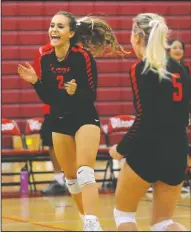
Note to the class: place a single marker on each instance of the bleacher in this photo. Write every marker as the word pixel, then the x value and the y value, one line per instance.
pixel 24 30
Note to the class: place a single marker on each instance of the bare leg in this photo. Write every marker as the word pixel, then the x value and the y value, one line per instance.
pixel 164 204
pixel 87 142
pixel 65 150
pixel 57 168
pixel 130 189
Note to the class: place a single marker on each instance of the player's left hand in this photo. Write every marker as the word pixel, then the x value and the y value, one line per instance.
pixel 114 154
pixel 71 87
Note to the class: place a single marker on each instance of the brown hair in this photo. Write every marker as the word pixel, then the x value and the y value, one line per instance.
pixel 94 34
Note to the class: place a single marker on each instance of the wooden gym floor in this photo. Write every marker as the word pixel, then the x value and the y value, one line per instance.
pixel 59 213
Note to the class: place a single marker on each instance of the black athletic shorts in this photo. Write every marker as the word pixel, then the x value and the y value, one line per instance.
pixel 46 131
pixel 69 123
pixel 161 158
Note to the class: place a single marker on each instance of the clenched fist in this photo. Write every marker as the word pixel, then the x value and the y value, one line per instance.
pixel 71 87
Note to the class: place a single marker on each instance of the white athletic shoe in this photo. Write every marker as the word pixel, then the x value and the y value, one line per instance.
pixel 185 189
pixel 150 190
pixel 91 223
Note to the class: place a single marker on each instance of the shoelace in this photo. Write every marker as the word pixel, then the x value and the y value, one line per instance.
pixel 89 222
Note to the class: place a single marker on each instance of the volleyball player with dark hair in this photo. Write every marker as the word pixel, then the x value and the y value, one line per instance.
pixel 176 51
pixel 68 84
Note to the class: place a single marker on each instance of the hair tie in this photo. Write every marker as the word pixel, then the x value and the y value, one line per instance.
pixel 78 23
pixel 153 23
pixel 84 19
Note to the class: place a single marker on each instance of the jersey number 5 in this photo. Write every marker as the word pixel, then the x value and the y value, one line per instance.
pixel 60 82
pixel 177 95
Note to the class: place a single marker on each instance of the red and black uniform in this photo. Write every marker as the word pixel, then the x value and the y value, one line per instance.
pixel 188 71
pixel 156 145
pixel 68 112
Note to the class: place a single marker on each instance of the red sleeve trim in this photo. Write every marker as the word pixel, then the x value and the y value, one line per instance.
pixel 88 65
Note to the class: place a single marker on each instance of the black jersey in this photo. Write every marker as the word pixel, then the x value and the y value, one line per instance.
pixel 187 69
pixel 78 64
pixel 161 106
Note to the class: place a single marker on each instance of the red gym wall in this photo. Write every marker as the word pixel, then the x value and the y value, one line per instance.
pixel 24 29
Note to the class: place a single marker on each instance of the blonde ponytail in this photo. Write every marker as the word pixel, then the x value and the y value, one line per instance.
pixel 154 31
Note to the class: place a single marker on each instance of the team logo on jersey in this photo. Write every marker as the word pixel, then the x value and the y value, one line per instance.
pixel 59 70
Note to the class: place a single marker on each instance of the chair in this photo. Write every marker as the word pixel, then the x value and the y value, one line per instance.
pixel 15 152
pixel 114 130
pixel 32 133
pixel 12 131
pixel 103 155
pixel 34 144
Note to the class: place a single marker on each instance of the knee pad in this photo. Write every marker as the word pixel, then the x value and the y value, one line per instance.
pixel 162 226
pixel 73 186
pixel 85 176
pixel 123 217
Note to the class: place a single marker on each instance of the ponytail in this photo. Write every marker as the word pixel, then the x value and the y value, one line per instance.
pixel 95 35
pixel 154 31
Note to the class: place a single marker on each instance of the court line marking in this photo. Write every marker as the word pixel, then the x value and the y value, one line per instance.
pixel 178 204
pixel 102 219
pixel 33 223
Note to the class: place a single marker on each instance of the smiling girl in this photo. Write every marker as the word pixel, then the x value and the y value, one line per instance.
pixel 176 51
pixel 68 83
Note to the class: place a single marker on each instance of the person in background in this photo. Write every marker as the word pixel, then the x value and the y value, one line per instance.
pixel 176 51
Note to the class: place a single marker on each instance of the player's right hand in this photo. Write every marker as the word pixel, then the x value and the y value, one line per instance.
pixel 27 73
